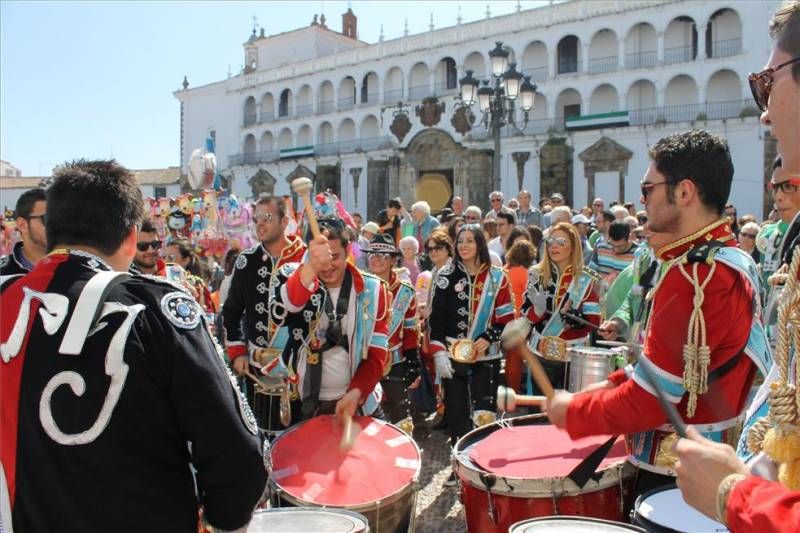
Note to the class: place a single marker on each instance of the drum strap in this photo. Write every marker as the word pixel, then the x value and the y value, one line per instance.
pixel 313 378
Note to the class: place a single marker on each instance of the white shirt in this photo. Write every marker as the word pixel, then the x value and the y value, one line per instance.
pixel 336 362
pixel 496 245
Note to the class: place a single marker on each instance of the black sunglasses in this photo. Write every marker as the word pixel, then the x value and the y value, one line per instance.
pixel 144 245
pixel 429 249
pixel 43 216
pixel 761 83
pixel 647 186
pixel 787 187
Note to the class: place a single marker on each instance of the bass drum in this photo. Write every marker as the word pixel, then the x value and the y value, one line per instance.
pixel 568 524
pixel 663 510
pixel 305 519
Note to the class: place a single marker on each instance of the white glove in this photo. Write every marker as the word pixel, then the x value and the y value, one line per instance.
pixel 444 368
pixel 539 303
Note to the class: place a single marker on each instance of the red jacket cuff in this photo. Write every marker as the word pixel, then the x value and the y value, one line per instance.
pixel 297 293
pixel 618 377
pixel 756 504
pixel 236 350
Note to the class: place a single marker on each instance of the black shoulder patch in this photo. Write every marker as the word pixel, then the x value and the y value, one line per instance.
pixel 703 253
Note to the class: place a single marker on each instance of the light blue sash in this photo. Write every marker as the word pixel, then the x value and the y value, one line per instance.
pixel 486 305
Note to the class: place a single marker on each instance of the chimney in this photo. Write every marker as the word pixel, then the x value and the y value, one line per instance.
pixel 350 24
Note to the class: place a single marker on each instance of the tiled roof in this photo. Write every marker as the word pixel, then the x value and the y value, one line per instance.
pixel 153 176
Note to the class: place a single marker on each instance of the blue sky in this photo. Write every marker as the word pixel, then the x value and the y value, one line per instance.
pixel 95 79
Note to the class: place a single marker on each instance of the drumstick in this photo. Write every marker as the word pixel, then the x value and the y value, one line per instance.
pixel 302 187
pixel 580 320
pixel 508 399
pixel 346 444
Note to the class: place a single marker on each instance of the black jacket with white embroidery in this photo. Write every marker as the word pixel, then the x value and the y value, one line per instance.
pixel 111 392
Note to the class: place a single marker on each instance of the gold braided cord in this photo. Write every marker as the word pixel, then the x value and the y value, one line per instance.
pixel 696 353
pixel 694 236
pixel 786 309
pixel 756 433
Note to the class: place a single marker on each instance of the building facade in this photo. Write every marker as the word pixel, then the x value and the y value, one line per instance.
pixel 376 121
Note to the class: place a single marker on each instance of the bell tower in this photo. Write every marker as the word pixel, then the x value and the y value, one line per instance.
pixel 350 24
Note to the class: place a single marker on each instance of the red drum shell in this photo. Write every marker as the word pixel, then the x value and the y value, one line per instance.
pixel 377 477
pixel 514 498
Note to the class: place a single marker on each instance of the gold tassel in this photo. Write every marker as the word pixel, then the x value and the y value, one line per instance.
pixel 756 434
pixel 789 474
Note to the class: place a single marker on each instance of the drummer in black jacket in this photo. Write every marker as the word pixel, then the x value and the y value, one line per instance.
pixel 118 411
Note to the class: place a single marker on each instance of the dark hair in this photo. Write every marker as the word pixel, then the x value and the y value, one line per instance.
pixel 112 196
pixel 393 203
pixel 490 226
pixel 441 238
pixel 147 227
pixel 536 235
pixel 336 230
pixel 517 232
pixel 700 157
pixel 230 260
pixel 482 254
pixel 451 227
pixel 784 28
pixel 522 253
pixel 608 215
pixel 445 215
pixel 508 217
pixel 27 200
pixel 619 230
pixel 266 199
pixel 186 250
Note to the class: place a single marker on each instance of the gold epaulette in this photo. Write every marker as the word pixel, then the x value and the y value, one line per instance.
pixel 592 274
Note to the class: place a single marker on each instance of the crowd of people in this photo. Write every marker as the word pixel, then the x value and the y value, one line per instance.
pixel 398 317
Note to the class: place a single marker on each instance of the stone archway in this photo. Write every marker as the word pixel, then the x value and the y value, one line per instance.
pixel 606 155
pixel 434 164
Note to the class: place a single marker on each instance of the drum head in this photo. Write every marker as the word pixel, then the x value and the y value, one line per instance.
pixel 566 524
pixel 593 352
pixel 308 465
pixel 508 453
pixel 663 509
pixel 304 519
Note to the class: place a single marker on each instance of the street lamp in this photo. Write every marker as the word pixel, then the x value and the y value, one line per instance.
pixel 497 98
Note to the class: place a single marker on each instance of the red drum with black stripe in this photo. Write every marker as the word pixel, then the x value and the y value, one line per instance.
pixel 376 478
pixel 516 469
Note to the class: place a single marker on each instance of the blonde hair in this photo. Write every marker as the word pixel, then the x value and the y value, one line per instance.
pixel 575 257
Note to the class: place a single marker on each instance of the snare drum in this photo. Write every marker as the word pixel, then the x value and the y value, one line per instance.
pixel 304 519
pixel 663 510
pixel 515 469
pixel 562 524
pixel 588 366
pixel 376 478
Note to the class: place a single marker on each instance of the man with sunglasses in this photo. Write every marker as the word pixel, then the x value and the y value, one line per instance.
pixel 403 337
pixel 146 259
pixel 333 324
pixel 703 331
pixel 30 215
pixel 711 477
pixel 249 331
pixel 496 206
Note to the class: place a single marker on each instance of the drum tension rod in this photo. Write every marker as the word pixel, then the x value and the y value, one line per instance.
pixel 488 481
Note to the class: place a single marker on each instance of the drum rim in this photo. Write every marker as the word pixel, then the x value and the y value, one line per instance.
pixel 643 496
pixel 315 509
pixel 533 488
pixel 396 496
pixel 624 526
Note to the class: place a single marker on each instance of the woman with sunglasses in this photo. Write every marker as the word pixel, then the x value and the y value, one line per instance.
pixel 747 240
pixel 470 306
pixel 561 296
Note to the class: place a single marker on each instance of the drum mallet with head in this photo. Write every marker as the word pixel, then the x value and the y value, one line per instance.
pixel 514 336
pixel 302 187
pixel 508 400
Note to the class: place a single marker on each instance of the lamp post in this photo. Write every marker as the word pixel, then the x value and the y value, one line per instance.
pixel 497 98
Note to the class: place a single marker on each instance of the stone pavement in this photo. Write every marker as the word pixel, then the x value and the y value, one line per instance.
pixel 438 507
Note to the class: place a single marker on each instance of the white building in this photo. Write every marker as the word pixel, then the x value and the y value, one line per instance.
pixel 613 77
pixel 7 170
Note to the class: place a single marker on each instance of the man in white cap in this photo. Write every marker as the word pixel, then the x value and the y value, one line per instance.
pixel 581 223
pixel 368 231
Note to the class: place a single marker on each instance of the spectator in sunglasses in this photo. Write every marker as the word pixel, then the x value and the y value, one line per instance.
pixel 146 260
pixel 747 240
pixel 496 206
pixel 30 215
pixel 472 215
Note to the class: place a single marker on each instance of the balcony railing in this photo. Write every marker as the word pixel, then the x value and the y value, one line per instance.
pixel 567 65
pixel 537 74
pixel 325 149
pixel 249 119
pixel 641 59
pixel 419 92
pixel 346 103
pixel 305 110
pixel 372 99
pixel 266 116
pixel 443 87
pixel 680 54
pixel 392 96
pixel 726 48
pixel 326 107
pixel 600 65
pixel 640 117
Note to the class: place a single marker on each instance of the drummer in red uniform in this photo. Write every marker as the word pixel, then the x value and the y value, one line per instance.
pixel 700 317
